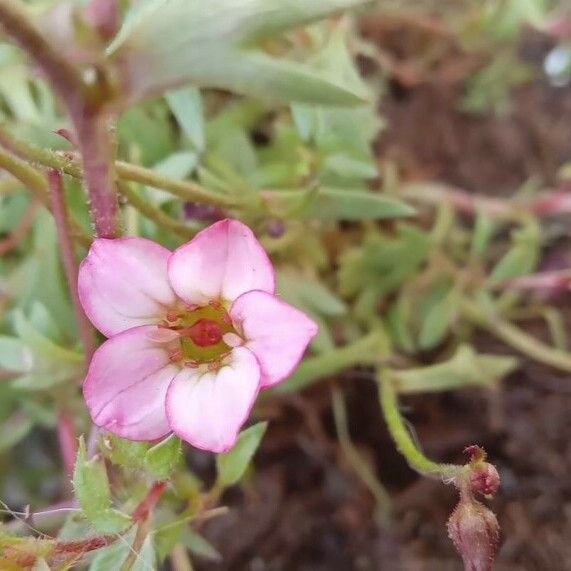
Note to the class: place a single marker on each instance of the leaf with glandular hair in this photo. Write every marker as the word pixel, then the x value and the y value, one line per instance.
pixel 465 368
pixel 170 43
pixel 93 494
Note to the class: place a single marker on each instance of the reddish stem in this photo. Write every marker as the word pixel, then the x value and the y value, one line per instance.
pixel 67 438
pixel 57 197
pixel 148 503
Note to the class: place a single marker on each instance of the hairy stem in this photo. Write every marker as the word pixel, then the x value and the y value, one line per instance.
pixel 67 163
pixel 155 214
pixel 59 211
pixel 401 436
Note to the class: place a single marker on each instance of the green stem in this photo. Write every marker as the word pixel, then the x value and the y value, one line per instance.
pixel 37 184
pixel 366 350
pixel 517 338
pixel 186 190
pixel 156 214
pixel 358 463
pixel 400 434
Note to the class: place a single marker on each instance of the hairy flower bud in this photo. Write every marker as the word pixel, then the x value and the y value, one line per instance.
pixel 485 479
pixel 475 532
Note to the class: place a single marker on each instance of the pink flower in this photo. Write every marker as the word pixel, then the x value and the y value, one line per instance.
pixel 194 335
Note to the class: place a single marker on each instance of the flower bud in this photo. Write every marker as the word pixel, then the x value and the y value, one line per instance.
pixel 485 479
pixel 475 532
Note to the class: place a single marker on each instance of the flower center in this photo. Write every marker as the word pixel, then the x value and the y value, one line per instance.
pixel 201 332
pixel 204 333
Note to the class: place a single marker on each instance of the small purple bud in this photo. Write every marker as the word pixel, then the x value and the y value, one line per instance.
pixel 275 228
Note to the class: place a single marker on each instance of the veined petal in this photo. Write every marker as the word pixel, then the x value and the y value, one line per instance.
pixel 275 332
pixel 126 384
pixel 222 261
pixel 207 409
pixel 123 283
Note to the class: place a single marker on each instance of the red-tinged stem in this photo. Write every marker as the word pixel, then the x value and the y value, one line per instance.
pixel 148 503
pixel 67 438
pixel 96 146
pixel 548 203
pixel 557 279
pixel 85 105
pixel 21 229
pixel 83 545
pixel 59 211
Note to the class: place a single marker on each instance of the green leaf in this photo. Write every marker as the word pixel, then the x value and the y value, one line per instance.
pixel 15 355
pixel 484 229
pixel 113 556
pixel 146 558
pixel 199 546
pixel 465 368
pixel 40 344
pixel 334 204
pixel 162 458
pixel 14 430
pixel 232 464
pixel 123 452
pixel 186 106
pixel 522 258
pixel 438 318
pixel 170 43
pixel 93 493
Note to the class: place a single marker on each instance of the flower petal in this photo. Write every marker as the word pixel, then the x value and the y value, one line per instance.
pixel 123 283
pixel 222 262
pixel 207 409
pixel 126 384
pixel 275 332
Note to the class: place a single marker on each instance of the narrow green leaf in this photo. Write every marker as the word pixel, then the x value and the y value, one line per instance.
pixel 170 43
pixel 199 546
pixel 232 464
pixel 465 368
pixel 15 355
pixel 93 493
pixel 14 429
pixel 186 106
pixel 334 204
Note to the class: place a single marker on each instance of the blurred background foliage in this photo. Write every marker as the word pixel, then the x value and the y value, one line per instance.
pixel 400 269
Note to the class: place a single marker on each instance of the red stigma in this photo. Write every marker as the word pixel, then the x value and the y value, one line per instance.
pixel 204 333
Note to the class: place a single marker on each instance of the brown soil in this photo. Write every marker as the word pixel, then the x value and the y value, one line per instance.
pixel 304 508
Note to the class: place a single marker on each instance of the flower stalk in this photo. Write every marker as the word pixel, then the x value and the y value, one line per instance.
pixel 401 435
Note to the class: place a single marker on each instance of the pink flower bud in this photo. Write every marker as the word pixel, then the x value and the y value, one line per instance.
pixel 475 532
pixel 485 479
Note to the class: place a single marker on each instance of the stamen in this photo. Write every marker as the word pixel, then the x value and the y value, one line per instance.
pixel 175 355
pixel 215 303
pixel 192 364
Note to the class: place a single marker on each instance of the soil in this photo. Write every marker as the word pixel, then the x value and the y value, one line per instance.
pixel 304 508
